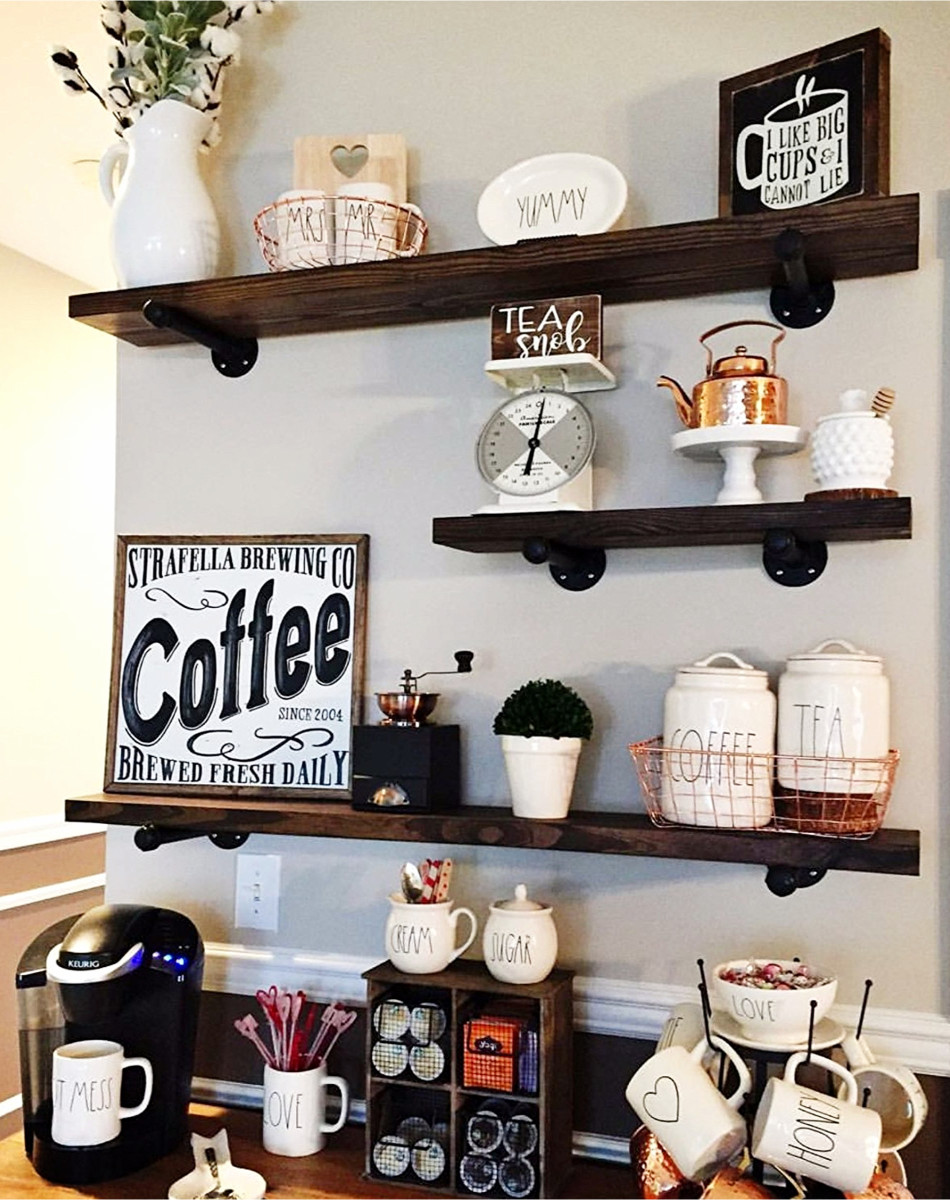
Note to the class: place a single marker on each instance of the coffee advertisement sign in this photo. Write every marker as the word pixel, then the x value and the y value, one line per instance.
pixel 237 665
pixel 808 130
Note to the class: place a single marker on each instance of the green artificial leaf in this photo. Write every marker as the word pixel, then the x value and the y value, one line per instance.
pixel 144 10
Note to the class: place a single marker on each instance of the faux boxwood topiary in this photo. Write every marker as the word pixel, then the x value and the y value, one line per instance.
pixel 544 708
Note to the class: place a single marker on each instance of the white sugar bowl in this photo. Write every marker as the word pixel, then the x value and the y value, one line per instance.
pixel 519 941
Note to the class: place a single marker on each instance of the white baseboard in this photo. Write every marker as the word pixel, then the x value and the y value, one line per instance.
pixel 11 1104
pixel 35 831
pixel 52 891
pixel 250 1095
pixel 615 1007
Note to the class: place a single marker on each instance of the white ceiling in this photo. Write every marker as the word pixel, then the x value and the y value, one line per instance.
pixel 50 142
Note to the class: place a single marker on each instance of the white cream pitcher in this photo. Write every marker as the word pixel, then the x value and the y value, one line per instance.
pixel 420 938
pixel 718 736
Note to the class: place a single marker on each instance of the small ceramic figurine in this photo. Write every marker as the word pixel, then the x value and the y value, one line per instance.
pixel 852 450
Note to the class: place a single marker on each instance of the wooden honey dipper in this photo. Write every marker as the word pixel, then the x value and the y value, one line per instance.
pixel 882 402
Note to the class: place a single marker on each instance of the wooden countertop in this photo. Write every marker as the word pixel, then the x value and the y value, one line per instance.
pixel 335 1172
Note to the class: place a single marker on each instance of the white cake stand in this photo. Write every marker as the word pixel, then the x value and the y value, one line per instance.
pixel 739 446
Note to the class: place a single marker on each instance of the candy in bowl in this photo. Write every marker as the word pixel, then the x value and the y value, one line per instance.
pixel 770 999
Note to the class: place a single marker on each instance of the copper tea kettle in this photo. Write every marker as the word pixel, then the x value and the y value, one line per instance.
pixel 741 389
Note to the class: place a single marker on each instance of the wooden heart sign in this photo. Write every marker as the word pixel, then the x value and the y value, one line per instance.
pixel 324 163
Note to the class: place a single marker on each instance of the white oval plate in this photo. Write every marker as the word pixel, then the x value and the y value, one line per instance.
pixel 551 196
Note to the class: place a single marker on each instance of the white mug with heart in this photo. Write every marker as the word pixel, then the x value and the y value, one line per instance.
pixel 674 1097
pixel 830 1139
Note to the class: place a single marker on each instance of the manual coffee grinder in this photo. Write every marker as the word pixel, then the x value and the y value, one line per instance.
pixel 406 762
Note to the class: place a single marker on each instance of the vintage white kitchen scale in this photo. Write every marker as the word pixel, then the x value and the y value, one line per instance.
pixel 536 449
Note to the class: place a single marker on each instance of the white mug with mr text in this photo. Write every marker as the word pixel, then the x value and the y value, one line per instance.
pixel 696 1124
pixel 831 1139
pixel 893 1090
pixel 87 1082
pixel 294 1116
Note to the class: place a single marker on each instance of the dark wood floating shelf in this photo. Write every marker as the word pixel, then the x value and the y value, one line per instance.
pixel 713 525
pixel 847 240
pixel 889 851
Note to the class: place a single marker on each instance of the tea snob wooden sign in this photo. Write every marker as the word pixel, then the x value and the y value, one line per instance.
pixel 237 665
pixel 568 325
pixel 808 130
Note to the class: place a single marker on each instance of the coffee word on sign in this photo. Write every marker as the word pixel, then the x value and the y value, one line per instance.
pixel 815 1132
pixel 236 662
pixel 568 325
pixel 411 939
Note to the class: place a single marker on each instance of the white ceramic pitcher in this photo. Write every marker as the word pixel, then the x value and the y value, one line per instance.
pixel 164 227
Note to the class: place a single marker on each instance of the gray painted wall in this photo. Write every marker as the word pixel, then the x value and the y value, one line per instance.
pixel 373 432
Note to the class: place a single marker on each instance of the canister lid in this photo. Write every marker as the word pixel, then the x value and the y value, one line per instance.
pixel 521 903
pixel 737 670
pixel 846 654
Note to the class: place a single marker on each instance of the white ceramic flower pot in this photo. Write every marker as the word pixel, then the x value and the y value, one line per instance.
pixel 541 774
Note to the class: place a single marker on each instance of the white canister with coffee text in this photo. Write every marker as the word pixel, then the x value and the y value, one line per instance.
pixel 718 737
pixel 833 711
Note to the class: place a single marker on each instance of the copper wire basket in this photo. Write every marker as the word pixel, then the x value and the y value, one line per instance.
pixel 830 797
pixel 331 231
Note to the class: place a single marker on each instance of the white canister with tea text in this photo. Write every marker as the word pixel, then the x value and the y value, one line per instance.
pixel 833 709
pixel 718 737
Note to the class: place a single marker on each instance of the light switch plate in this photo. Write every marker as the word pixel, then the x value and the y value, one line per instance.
pixel 257 891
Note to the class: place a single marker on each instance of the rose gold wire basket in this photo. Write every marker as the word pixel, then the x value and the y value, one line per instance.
pixel 831 797
pixel 329 231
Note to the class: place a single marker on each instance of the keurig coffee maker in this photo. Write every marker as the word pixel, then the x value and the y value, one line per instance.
pixel 406 762
pixel 124 974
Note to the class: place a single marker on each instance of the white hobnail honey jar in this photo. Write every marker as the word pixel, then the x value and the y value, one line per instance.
pixel 718 740
pixel 833 709
pixel 854 448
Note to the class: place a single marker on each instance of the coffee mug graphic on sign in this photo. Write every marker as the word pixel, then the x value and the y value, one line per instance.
pixel 804 148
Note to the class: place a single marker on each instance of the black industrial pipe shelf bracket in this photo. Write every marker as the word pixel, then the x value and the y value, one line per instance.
pixel 785 881
pixel 575 568
pixel 232 356
pixel 792 561
pixel 800 301
pixel 150 837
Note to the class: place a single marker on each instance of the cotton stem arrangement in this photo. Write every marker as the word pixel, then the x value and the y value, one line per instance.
pixel 169 49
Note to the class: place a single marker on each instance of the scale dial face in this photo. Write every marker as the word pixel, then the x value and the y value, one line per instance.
pixel 535 442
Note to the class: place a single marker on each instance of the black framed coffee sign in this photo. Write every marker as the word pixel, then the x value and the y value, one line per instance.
pixel 237 665
pixel 808 130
